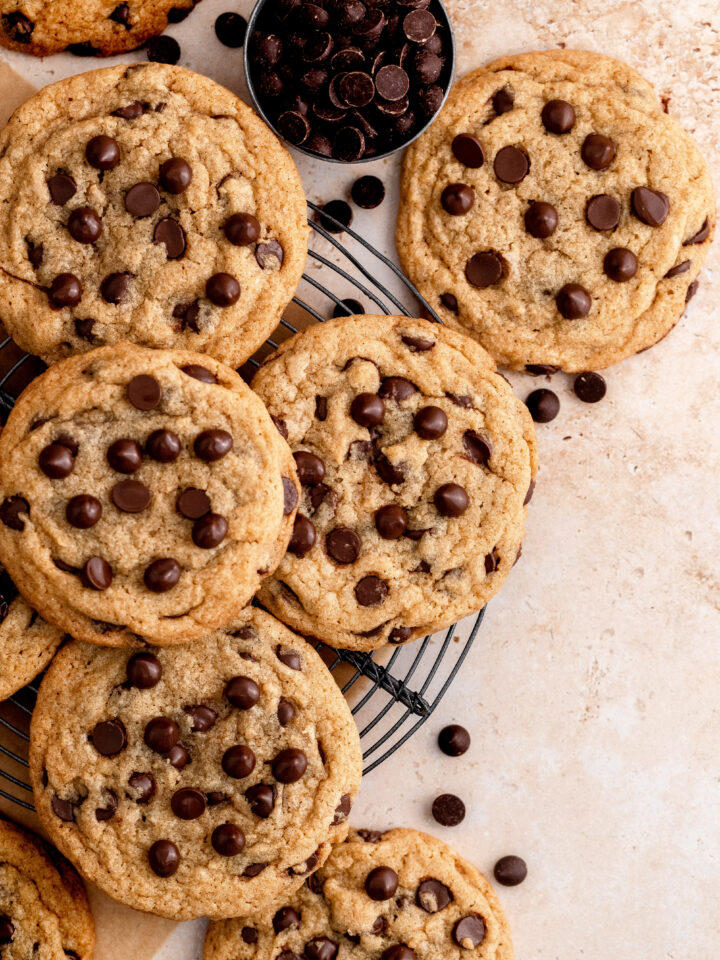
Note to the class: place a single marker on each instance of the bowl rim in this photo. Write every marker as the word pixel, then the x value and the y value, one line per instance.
pixel 252 27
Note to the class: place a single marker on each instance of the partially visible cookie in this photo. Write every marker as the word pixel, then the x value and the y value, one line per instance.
pixel 144 494
pixel 207 779
pixel 86 27
pixel 27 642
pixel 555 212
pixel 400 895
pixel 44 911
pixel 416 461
pixel 146 203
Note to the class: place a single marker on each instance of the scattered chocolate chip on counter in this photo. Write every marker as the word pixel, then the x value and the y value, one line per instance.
pixel 510 871
pixel 454 740
pixel 543 405
pixel 337 209
pixel 448 810
pixel 348 308
pixel 590 387
pixel 230 29
pixel 368 192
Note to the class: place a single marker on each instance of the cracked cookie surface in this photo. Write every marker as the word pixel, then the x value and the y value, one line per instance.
pixel 144 494
pixel 87 27
pixel 416 461
pixel 400 895
pixel 555 213
pixel 207 779
pixel 44 911
pixel 146 203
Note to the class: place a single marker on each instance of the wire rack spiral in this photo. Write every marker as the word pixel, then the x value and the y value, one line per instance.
pixel 392 691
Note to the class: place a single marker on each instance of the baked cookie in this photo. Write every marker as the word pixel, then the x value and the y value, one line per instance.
pixel 416 462
pixel 554 212
pixel 143 495
pixel 146 203
pixel 44 911
pixel 27 642
pixel 209 779
pixel 400 895
pixel 86 27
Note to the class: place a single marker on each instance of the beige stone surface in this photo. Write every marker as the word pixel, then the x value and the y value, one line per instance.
pixel 591 692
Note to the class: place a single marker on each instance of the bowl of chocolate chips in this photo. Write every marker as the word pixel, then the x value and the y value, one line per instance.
pixel 349 80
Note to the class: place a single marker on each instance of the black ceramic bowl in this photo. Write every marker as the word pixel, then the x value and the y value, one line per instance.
pixel 264 79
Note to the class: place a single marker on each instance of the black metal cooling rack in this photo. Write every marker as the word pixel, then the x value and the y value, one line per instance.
pixel 392 691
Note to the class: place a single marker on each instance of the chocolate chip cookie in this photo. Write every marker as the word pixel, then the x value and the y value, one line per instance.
pixel 27 642
pixel 555 212
pixel 400 895
pixel 143 495
pixel 146 203
pixel 44 911
pixel 416 461
pixel 85 27
pixel 207 779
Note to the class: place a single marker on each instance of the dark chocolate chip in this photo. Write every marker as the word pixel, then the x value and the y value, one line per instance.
pixel 269 254
pixel 303 536
pixel 348 144
pixel 65 291
pixel 144 392
pixel 130 496
pixel 367 409
pixel 169 232
pixel 391 521
pixel 144 671
pixel 541 219
pixel 451 500
pixel 192 503
pixel 212 445
pixel 454 740
pixel 573 301
pixel 83 511
pixel 310 468
pixel 161 734
pixel 96 574
pixel 433 896
pixel 209 531
pixel 242 229
pixel 448 810
pixel 620 264
pixel 109 737
pixel 163 855
pixel 469 932
pixel 543 405
pixel 63 809
pixel 692 290
pixel 242 692
pixel 285 711
pixel 289 765
pixel 342 811
pixel 590 387
pixel 320 948
pixel 343 545
pixel 162 575
pixel 261 798
pixel 238 761
pixel 485 269
pixel 84 225
pixel 503 100
pixel 102 152
pixel 230 29
pixel 678 269
pixel 430 422
pixel 558 116
pixel 510 871
pixel 293 127
pixel 18 27
pixel 417 344
pixel 419 25
pixel 143 787
pixel 598 151
pixel 511 165
pixel 398 951
pixel 163 49
pixel 103 814
pixel 130 112
pixel 468 150
pixel 371 591
pixel 198 372
pixel 457 198
pixel 178 756
pixel 397 389
pixel 392 82
pixel 121 14
pixel 188 314
pixel 115 287
pixel 124 456
pixel 399 635
pixel 163 446
pixel 368 192
pixel 699 237
pixel 286 918
pixel 36 253
pixel 222 289
pixel 649 206
pixel 142 200
pixel 337 209
pixel 56 461
pixel 188 803
pixel 175 175
pixel 603 212
pixel 381 883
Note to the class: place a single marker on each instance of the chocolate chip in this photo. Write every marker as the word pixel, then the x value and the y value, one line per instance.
pixel 12 512
pixel 121 14
pixel 188 314
pixel 286 918
pixel 468 150
pixel 603 212
pixel 433 896
pixel 320 948
pixel 212 445
pixel 188 803
pixel 371 591
pixel 143 787
pixel 249 935
pixel 209 531
pixel 230 29
pixel 163 49
pixel 56 461
pixel 598 151
pixel 678 269
pixel 96 574
pixel 289 766
pixel 83 511
pixel 293 127
pixel 84 225
pixel 573 301
pixel 103 814
pixel 310 468
pixel 692 290
pixel 368 192
pixel 163 446
pixel 268 254
pixel 367 409
pixel 381 883
pixel 142 200
pixel 102 152
pixel 109 737
pixel 125 456
pixel 164 858
pixel 303 536
pixel 65 291
pixel 130 496
pixel 543 405
pixel 144 671
pixel 399 635
pixel 144 392
pixel 348 144
pixel 18 27
pixel 161 734
pixel 511 165
pixel 238 761
pixel 451 500
pixel 699 237
pixel 342 811
pixel 339 210
pixel 419 25
pixel 388 472
pixel 448 810
pixel 485 269
pixel 649 206
pixel 503 101
pixel 343 545
pixel 222 289
pixel 115 287
pixel 162 575
pixel 430 422
pixel 457 198
pixel 242 229
pixel 558 116
pixel 242 692
pixel 392 83
pixel 178 756
pixel 285 711
pixel 510 871
pixel 590 387
pixel 169 232
pixel 198 372
pixel 130 112
pixel 175 175
pixel 63 809
pixel 427 66
pixel 417 344
pixel 541 219
pixel 397 389
pixel 261 798
pixel 620 264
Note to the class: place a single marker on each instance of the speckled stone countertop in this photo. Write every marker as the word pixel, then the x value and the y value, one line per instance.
pixel 591 692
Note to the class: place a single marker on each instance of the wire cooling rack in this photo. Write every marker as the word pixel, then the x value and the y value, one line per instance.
pixel 392 691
